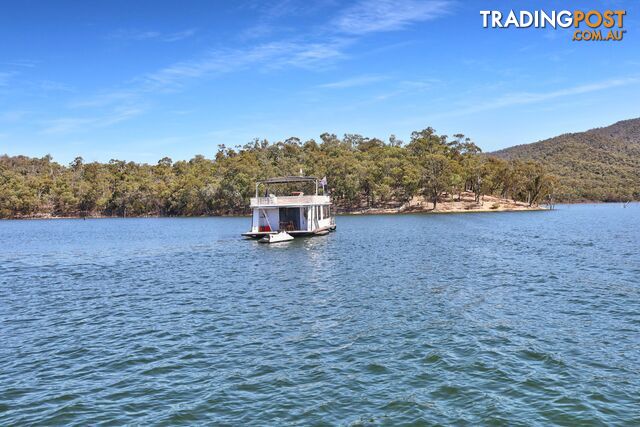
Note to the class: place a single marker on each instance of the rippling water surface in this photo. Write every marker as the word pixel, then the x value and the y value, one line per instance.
pixel 501 318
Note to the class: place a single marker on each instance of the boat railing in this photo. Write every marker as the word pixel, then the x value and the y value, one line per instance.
pixel 289 200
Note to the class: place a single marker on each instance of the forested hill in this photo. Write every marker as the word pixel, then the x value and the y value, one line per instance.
pixel 362 173
pixel 600 164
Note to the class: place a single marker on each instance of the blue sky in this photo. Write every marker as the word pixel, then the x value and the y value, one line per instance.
pixel 147 79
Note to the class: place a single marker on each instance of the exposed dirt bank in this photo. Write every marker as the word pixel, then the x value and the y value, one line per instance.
pixel 466 203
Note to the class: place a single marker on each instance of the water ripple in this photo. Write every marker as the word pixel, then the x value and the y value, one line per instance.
pixel 508 319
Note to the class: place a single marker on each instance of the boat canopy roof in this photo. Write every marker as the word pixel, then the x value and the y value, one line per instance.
pixel 287 179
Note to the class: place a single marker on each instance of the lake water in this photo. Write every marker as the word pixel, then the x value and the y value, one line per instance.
pixel 498 318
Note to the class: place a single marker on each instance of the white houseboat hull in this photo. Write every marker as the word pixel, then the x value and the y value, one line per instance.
pixel 319 232
pixel 296 214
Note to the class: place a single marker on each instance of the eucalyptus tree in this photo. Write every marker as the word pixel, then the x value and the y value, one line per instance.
pixel 436 176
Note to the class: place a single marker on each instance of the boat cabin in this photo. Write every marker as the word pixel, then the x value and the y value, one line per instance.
pixel 295 212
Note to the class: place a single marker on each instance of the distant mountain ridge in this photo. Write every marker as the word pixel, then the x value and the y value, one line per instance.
pixel 601 164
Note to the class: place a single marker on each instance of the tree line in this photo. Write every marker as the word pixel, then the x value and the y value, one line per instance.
pixel 361 172
pixel 601 164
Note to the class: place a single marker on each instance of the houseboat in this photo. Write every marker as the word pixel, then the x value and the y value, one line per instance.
pixel 294 212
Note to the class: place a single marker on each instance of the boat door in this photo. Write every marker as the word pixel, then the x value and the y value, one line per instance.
pixel 289 219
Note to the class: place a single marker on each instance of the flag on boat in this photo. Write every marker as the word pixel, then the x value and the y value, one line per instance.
pixel 323 182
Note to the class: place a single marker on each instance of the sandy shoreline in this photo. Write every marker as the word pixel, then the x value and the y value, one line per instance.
pixel 439 212
pixel 466 204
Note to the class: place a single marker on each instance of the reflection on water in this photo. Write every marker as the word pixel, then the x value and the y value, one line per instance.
pixel 492 318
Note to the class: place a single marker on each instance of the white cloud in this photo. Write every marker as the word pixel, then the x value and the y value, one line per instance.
pixel 370 16
pixel 172 77
pixel 419 85
pixel 5 77
pixel 50 85
pixel 524 98
pixel 315 50
pixel 353 82
pixel 12 116
pixel 67 125
pixel 104 99
pixel 139 35
pixel 266 56
pixel 180 35
pixel 23 63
